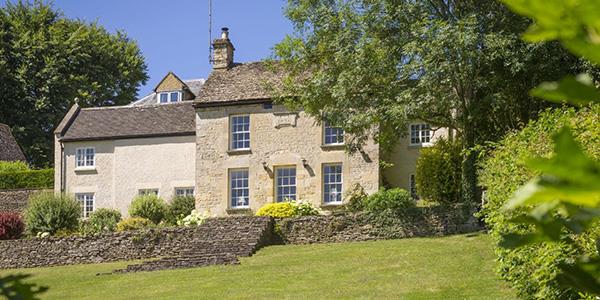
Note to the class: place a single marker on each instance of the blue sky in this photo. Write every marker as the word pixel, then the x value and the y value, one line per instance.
pixel 173 34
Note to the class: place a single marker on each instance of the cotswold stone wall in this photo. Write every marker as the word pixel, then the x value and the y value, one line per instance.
pixel 15 200
pixel 278 138
pixel 363 227
pixel 217 235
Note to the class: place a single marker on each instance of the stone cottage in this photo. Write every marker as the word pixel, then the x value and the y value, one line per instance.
pixel 222 140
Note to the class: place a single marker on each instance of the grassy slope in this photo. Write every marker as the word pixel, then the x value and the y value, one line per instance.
pixel 456 267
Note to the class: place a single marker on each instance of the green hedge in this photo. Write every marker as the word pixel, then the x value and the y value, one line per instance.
pixel 532 269
pixel 27 179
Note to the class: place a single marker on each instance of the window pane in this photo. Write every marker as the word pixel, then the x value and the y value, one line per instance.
pixel 239 192
pixel 174 97
pixel 332 183
pixel 332 135
pixel 240 132
pixel 285 184
pixel 164 98
pixel 86 204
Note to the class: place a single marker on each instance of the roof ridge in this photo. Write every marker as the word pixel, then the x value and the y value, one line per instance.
pixel 187 102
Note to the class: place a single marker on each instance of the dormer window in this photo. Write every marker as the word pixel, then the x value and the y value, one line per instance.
pixel 169 97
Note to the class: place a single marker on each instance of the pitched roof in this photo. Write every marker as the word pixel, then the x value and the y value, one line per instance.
pixel 242 82
pixel 9 149
pixel 119 122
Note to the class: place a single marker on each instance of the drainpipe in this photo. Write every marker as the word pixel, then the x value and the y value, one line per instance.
pixel 62 167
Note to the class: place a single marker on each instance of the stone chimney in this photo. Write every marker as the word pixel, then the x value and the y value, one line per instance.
pixel 223 51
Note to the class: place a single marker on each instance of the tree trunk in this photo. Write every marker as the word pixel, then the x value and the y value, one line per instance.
pixel 469 190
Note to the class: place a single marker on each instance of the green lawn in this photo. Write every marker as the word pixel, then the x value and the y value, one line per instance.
pixel 455 267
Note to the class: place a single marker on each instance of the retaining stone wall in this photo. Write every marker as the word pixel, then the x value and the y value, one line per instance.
pixel 142 244
pixel 363 227
pixel 15 200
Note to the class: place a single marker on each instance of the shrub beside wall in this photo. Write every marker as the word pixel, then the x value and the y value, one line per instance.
pixel 438 173
pixel 11 226
pixel 150 207
pixel 29 179
pixel 532 269
pixel 48 212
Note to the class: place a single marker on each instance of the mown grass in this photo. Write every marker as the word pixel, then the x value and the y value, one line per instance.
pixel 455 267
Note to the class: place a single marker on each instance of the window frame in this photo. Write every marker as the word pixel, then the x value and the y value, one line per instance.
pixel 169 98
pixel 80 197
pixel 323 184
pixel 230 188
pixel 84 158
pixel 276 186
pixel 185 191
pixel 142 192
pixel 326 125
pixel 231 133
pixel 420 135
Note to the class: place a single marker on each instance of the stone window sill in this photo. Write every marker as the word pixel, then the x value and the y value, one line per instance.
pixel 333 147
pixel 332 205
pixel 239 151
pixel 85 169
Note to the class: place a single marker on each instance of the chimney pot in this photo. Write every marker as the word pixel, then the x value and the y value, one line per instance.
pixel 225 33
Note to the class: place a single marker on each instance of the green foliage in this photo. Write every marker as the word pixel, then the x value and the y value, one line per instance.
pixel 288 209
pixel 394 200
pixel 13 287
pixel 27 179
pixel 438 172
pixel 101 220
pixel 533 269
pixel 573 23
pixel 356 198
pixel 179 208
pixel 49 212
pixel 13 166
pixel 150 207
pixel 48 60
pixel 134 223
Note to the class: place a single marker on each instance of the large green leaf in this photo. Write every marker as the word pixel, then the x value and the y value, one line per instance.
pixel 578 90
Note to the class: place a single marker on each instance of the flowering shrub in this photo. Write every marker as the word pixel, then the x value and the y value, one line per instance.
pixel 193 219
pixel 11 226
pixel 305 209
pixel 101 220
pixel 134 223
pixel 288 209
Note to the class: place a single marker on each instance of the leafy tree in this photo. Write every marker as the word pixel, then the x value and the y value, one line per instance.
pixel 46 61
pixel 372 65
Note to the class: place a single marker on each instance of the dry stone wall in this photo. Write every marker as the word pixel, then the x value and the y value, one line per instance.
pixel 218 235
pixel 15 200
pixel 363 227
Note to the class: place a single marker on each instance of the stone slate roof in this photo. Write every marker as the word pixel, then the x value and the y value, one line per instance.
pixel 119 122
pixel 194 86
pixel 248 81
pixel 9 149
